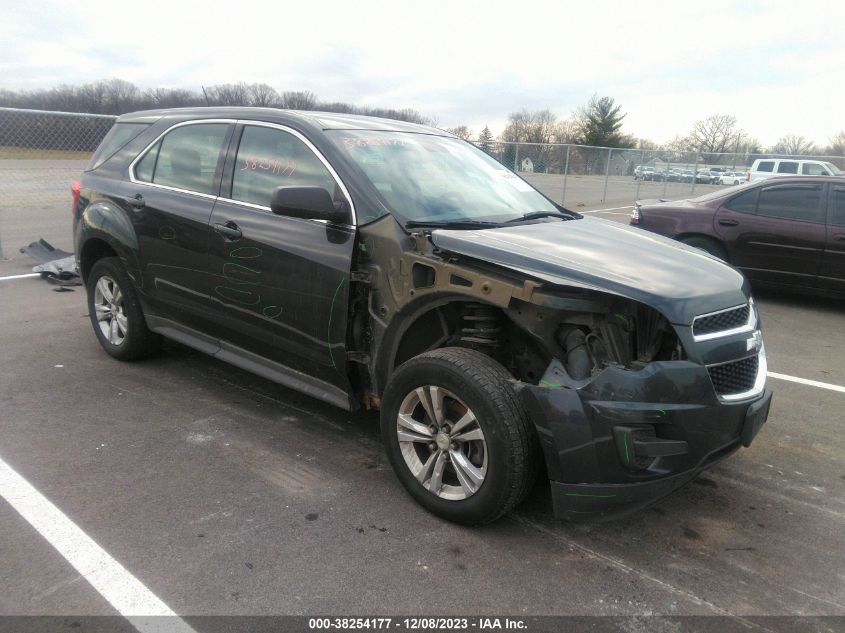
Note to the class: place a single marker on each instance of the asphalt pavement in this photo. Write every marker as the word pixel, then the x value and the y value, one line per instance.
pixel 223 493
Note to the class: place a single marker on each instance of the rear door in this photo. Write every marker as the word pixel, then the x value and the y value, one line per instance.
pixel 172 190
pixel 279 285
pixel 832 275
pixel 775 233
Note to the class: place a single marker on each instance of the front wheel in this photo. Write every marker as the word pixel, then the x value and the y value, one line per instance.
pixel 457 437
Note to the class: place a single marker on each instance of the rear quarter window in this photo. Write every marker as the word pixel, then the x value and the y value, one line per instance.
pixel 813 169
pixel 185 158
pixel 766 165
pixel 745 202
pixel 117 137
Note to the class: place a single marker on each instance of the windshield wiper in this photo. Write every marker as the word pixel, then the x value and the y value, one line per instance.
pixel 536 215
pixel 452 224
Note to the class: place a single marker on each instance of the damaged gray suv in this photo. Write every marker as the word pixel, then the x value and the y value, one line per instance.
pixel 378 264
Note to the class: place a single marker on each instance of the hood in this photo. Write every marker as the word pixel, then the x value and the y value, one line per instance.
pixel 678 281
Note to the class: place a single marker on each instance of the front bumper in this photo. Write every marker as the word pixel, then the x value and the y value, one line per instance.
pixel 628 438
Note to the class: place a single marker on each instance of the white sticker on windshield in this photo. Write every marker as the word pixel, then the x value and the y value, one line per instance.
pixel 514 181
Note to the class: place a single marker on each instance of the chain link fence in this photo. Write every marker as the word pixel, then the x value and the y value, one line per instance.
pixel 41 155
pixel 590 177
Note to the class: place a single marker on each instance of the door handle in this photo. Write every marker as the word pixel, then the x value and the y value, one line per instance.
pixel 727 222
pixel 229 230
pixel 136 201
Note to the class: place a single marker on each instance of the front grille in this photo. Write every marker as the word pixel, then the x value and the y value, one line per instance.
pixel 735 377
pixel 721 321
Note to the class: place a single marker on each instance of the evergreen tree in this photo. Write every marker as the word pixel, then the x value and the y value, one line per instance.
pixel 485 140
pixel 601 123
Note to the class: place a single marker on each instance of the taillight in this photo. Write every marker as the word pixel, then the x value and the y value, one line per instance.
pixel 635 215
pixel 76 190
pixel 748 176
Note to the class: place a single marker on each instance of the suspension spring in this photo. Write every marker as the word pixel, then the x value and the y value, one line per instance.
pixel 481 326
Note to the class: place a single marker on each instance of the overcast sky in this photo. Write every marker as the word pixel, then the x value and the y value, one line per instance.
pixel 779 67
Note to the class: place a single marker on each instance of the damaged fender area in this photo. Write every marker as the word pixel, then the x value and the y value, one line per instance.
pixel 625 439
pixel 624 414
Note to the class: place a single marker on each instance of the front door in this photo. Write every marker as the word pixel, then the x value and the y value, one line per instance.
pixel 775 233
pixel 280 285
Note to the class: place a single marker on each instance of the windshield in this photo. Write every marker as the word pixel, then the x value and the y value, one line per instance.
pixel 426 178
pixel 834 169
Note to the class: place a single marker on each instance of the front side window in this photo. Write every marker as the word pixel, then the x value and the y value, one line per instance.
pixel 791 202
pixel 185 158
pixel 766 165
pixel 429 178
pixel 269 158
pixel 787 167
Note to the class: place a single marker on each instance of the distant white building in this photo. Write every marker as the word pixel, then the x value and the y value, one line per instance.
pixel 527 165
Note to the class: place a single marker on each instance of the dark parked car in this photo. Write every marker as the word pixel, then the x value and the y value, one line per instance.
pixel 373 263
pixel 784 231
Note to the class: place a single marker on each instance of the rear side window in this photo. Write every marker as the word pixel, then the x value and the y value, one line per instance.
pixel 787 167
pixel 185 158
pixel 813 169
pixel 745 202
pixel 118 136
pixel 766 165
pixel 837 206
pixel 269 158
pixel 791 202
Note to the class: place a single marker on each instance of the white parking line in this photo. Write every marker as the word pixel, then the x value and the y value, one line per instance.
pixel 629 207
pixel 804 381
pixel 120 588
pixel 20 276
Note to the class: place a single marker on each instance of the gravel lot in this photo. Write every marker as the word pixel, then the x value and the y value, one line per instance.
pixel 227 494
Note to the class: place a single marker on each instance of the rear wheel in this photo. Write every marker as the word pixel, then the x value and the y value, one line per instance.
pixel 457 437
pixel 707 245
pixel 116 312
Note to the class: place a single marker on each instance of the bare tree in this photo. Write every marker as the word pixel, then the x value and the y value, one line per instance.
pixel 299 100
pixel 120 96
pixel 263 95
pixel 173 98
pixel 715 135
pixel 566 131
pixel 461 131
pixel 837 145
pixel 92 97
pixel 793 145
pixel 228 94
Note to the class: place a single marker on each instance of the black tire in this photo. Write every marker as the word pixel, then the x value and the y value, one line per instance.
pixel 136 340
pixel 510 446
pixel 707 245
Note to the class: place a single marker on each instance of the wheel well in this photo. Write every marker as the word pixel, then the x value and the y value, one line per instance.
pixel 475 325
pixel 683 236
pixel 93 251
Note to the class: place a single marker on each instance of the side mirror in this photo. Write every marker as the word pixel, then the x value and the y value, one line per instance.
pixel 309 203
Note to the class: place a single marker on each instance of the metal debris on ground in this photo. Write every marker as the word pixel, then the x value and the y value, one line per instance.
pixel 58 267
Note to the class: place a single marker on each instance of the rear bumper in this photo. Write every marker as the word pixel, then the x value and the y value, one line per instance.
pixel 626 439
